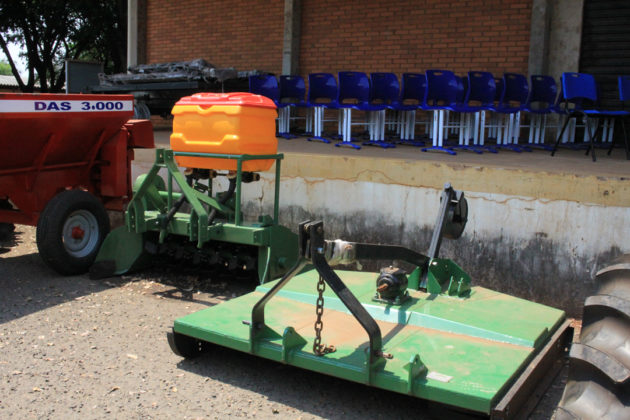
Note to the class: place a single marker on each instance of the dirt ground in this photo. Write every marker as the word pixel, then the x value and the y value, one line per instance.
pixel 71 347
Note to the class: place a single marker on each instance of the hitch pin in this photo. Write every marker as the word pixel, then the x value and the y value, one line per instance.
pixel 385 355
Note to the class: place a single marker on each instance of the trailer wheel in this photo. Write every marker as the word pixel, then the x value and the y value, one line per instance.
pixel 70 231
pixel 598 386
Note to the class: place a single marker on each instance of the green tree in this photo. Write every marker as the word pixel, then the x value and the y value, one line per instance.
pixel 51 31
pixel 5 69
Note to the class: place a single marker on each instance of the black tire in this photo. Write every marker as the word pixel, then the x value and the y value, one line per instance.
pixel 141 111
pixel 598 386
pixel 6 231
pixel 70 231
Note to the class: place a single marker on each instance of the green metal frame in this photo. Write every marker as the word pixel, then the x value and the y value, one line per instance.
pixel 198 231
pixel 148 212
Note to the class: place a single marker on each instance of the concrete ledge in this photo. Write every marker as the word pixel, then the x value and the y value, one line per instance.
pixel 607 190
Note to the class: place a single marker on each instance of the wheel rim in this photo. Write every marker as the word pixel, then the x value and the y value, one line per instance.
pixel 80 233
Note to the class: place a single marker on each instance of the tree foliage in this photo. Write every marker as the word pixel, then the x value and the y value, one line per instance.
pixel 5 69
pixel 51 31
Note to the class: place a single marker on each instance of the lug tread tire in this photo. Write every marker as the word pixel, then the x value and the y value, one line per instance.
pixel 598 386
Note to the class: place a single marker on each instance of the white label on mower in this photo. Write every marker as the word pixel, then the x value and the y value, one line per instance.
pixel 43 106
pixel 439 377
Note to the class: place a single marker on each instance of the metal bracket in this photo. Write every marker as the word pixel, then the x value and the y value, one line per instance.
pixel 311 250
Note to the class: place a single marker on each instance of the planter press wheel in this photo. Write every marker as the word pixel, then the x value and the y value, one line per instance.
pixel 70 231
pixel 598 386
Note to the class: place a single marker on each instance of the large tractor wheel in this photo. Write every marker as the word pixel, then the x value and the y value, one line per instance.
pixel 70 231
pixel 599 375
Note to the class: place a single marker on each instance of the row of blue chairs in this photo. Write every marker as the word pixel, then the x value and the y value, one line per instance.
pixel 457 105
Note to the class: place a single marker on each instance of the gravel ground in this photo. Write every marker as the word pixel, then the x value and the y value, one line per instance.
pixel 71 347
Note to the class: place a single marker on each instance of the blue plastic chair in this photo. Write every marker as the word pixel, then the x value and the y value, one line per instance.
pixel 385 91
pixel 465 127
pixel 580 90
pixel 624 96
pixel 513 99
pixel 292 94
pixel 322 94
pixel 412 90
pixel 540 103
pixel 624 88
pixel 493 125
pixel 354 94
pixel 479 98
pixel 267 85
pixel 440 96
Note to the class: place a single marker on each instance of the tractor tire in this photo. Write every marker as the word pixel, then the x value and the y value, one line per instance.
pixel 70 231
pixel 598 386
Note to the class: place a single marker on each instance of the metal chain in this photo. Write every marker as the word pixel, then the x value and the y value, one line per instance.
pixel 318 348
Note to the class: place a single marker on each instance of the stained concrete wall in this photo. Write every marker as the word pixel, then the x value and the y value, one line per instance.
pixel 565 36
pixel 546 249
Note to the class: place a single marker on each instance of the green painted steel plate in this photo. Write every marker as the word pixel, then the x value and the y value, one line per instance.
pixel 472 348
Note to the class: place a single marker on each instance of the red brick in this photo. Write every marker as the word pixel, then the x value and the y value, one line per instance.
pixel 370 35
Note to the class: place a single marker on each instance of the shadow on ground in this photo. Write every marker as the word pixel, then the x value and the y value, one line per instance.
pixel 29 286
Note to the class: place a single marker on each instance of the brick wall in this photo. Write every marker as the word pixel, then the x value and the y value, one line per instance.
pixel 227 33
pixel 374 35
pixel 415 35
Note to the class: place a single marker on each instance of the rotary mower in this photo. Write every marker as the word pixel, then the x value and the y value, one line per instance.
pixel 427 333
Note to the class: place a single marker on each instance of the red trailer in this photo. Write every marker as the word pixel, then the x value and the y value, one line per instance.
pixel 64 161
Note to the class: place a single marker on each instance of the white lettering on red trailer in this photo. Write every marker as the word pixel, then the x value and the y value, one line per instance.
pixel 38 106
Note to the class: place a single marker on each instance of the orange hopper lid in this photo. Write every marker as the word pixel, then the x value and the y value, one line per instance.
pixel 208 99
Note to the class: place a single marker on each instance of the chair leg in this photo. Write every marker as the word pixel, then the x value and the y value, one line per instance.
pixel 318 124
pixel 625 141
pixel 564 127
pixel 591 136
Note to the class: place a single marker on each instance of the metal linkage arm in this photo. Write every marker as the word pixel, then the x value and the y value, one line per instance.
pixel 311 249
pixel 342 252
pixel 452 218
pixel 345 295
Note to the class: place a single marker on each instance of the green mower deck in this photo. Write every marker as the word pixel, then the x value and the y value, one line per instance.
pixel 429 334
pixel 461 352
